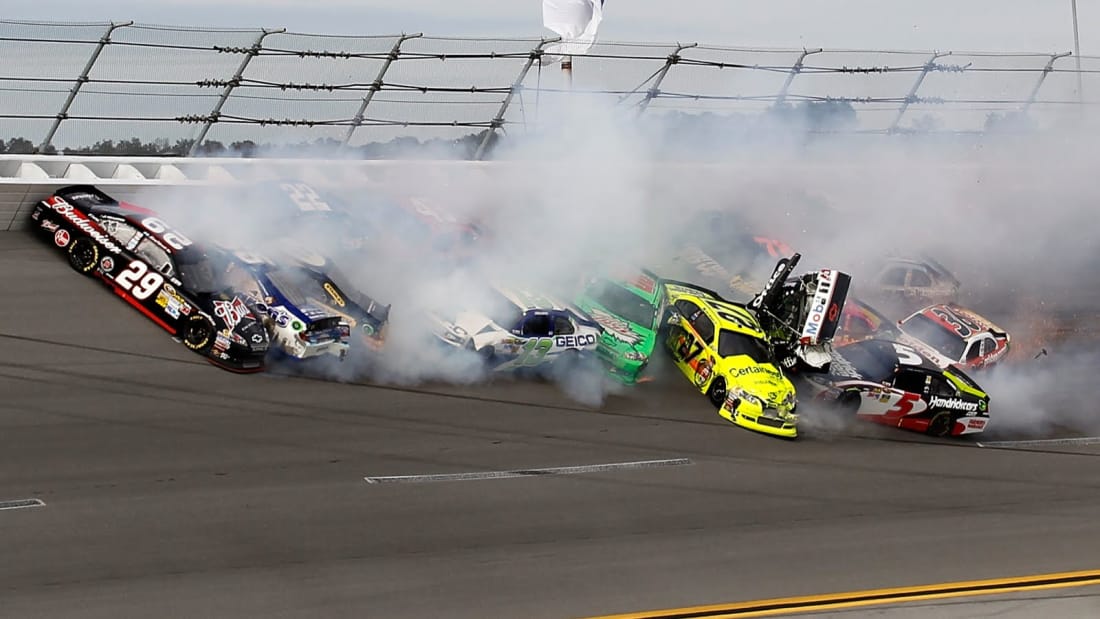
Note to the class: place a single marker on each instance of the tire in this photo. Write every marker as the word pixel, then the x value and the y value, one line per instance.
pixel 849 403
pixel 487 353
pixel 940 425
pixel 717 391
pixel 83 255
pixel 197 333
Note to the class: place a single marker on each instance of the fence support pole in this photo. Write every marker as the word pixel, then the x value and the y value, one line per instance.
pixel 212 118
pixel 80 81
pixel 909 98
pixel 375 86
pixel 498 120
pixel 795 70
pixel 1042 77
pixel 655 90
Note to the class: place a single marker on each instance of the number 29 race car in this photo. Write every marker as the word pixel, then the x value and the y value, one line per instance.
pixel 157 270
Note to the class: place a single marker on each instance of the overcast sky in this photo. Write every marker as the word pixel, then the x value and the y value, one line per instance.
pixel 994 25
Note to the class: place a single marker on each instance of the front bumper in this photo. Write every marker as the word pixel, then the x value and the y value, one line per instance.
pixel 763 421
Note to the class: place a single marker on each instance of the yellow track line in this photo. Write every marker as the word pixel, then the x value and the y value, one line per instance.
pixel 872 597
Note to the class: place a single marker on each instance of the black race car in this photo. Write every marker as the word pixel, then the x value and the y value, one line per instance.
pixel 893 384
pixel 176 283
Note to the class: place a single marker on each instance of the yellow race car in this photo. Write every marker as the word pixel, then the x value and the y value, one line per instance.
pixel 721 347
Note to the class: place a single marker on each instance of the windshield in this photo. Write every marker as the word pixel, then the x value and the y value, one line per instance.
pixel 155 256
pixel 622 302
pixel 203 272
pixel 935 335
pixel 732 343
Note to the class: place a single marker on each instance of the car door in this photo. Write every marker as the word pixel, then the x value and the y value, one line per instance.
pixel 536 331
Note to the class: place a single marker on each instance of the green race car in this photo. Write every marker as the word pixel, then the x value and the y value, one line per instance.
pixel 628 308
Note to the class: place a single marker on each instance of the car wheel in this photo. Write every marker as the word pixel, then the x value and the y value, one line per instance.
pixel 197 333
pixel 849 403
pixel 941 424
pixel 486 353
pixel 83 255
pixel 717 391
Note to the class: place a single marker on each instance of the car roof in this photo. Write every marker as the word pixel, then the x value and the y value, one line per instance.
pixel 877 359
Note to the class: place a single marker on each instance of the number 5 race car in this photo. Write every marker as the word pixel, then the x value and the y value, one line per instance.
pixel 894 385
pixel 721 347
pixel 157 270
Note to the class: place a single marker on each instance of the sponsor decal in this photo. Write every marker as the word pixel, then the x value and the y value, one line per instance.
pixel 231 312
pixel 780 268
pixel 48 226
pixel 368 329
pixel 296 325
pixel 108 264
pixel 87 226
pixel 221 342
pixel 173 304
pixel 617 327
pixel 257 338
pixel 644 282
pixel 819 306
pixel 757 369
pixel 956 404
pixel 575 341
pixel 703 370
pixel 61 238
pixel 336 298
pixel 975 423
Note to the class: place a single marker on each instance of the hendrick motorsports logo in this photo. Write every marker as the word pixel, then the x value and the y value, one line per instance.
pixel 956 404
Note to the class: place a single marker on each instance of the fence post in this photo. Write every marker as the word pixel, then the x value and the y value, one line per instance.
pixel 376 85
pixel 1042 78
pixel 909 98
pixel 80 81
pixel 795 70
pixel 655 90
pixel 212 118
pixel 498 120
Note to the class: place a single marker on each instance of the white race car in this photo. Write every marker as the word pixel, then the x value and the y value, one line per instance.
pixel 514 329
pixel 952 335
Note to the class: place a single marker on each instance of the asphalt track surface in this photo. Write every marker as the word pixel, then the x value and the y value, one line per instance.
pixel 174 489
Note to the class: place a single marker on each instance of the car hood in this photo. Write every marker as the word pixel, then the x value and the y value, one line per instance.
pixel 621 335
pixel 762 380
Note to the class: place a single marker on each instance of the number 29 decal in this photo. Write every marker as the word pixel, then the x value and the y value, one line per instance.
pixel 138 280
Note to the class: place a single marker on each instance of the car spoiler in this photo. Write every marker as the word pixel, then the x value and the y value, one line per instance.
pixel 93 196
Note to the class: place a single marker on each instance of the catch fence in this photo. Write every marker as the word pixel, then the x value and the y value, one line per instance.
pixel 170 90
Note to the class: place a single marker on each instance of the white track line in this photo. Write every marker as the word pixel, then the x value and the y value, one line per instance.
pixel 1048 442
pixel 559 470
pixel 21 503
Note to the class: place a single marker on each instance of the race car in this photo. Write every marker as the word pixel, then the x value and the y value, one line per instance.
pixel 514 330
pixel 906 283
pixel 629 308
pixel 737 261
pixel 860 321
pixel 801 314
pixel 952 335
pixel 308 313
pixel 722 349
pixel 159 271
pixel 892 384
pixel 371 218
